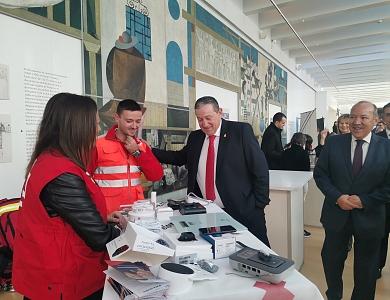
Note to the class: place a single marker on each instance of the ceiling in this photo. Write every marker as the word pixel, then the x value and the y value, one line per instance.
pixel 350 39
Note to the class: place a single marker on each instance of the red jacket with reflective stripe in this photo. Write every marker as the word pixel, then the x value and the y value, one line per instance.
pixel 118 172
pixel 50 259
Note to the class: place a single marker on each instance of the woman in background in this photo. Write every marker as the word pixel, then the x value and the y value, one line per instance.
pixel 295 158
pixel 343 124
pixel 62 228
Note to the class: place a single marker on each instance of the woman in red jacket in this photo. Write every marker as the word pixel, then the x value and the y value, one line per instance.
pixel 62 226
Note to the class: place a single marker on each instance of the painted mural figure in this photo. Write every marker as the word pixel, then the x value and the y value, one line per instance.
pixel 126 75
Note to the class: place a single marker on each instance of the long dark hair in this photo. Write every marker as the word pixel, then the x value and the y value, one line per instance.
pixel 68 125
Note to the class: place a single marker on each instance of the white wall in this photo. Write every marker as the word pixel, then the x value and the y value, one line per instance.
pixel 300 98
pixel 322 106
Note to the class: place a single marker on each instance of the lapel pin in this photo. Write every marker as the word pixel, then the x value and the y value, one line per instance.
pixel 224 135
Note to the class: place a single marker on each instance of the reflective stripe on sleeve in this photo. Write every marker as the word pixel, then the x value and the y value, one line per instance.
pixel 116 170
pixel 118 183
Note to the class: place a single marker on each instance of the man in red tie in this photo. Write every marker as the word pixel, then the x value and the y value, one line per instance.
pixel 225 165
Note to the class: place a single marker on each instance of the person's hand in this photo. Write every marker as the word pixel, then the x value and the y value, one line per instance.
pixel 355 200
pixel 345 204
pixel 130 144
pixel 324 134
pixel 118 218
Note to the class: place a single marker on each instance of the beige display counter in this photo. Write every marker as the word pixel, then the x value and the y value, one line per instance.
pixel 284 215
pixel 313 205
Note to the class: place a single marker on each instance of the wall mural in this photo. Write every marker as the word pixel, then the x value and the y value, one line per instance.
pixel 152 52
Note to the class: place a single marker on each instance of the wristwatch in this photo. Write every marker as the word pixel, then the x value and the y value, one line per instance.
pixel 136 153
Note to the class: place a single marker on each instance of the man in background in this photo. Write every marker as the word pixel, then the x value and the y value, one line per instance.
pixel 271 144
pixel 120 158
pixel 385 240
pixel 353 172
pixel 379 127
pixel 225 165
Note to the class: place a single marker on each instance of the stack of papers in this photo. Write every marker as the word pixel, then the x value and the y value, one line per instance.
pixel 135 281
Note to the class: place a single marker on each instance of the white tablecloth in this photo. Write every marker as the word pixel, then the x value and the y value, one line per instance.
pixel 233 287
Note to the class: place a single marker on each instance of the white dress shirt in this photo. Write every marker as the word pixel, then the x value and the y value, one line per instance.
pixel 201 175
pixel 365 147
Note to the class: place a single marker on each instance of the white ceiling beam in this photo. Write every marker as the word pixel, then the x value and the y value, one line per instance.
pixel 307 10
pixel 251 7
pixel 325 23
pixel 341 45
pixel 362 73
pixel 357 80
pixel 345 53
pixel 345 66
pixel 336 35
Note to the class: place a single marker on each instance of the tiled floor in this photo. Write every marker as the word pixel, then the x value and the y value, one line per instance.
pixel 312 269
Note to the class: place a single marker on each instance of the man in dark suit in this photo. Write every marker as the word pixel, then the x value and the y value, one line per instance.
pixel 353 172
pixel 385 240
pixel 241 177
pixel 271 143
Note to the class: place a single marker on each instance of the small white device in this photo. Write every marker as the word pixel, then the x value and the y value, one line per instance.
pixel 141 210
pixel 181 277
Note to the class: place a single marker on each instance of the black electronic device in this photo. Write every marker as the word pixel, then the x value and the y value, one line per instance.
pixel 175 204
pixel 217 230
pixel 187 237
pixel 191 208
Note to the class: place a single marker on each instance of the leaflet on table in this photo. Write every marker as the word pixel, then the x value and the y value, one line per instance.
pixel 136 270
pixel 141 288
pixel 138 244
pixel 192 223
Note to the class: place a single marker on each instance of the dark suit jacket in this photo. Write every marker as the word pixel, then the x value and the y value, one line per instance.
pixel 383 133
pixel 295 158
pixel 242 177
pixel 271 144
pixel 333 176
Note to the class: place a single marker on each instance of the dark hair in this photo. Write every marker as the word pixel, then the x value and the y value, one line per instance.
pixel 68 125
pixel 127 104
pixel 298 138
pixel 386 106
pixel 207 100
pixel 309 141
pixel 278 117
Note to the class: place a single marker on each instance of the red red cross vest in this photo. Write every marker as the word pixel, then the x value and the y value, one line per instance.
pixel 50 259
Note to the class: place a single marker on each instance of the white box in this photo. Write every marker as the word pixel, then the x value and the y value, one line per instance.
pixel 223 245
pixel 163 213
pixel 138 244
pixel 200 245
pixel 179 256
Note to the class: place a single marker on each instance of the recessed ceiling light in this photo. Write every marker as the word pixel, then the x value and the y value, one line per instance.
pixel 303 20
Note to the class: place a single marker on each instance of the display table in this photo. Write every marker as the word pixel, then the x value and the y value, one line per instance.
pixel 284 215
pixel 230 286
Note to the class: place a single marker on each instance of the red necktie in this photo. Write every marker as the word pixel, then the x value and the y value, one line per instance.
pixel 210 192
